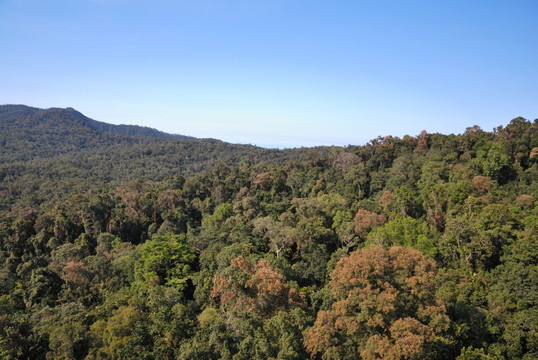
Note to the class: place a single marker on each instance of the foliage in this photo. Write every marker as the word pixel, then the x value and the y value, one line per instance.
pixel 123 242
pixel 385 307
pixel 165 260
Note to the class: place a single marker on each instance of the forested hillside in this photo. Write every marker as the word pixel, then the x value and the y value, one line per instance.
pixel 27 132
pixel 424 247
pixel 48 154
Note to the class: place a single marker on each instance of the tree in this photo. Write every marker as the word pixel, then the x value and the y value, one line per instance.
pixel 280 236
pixel 255 288
pixel 513 298
pixel 68 337
pixel 406 232
pixel 366 220
pixel 384 307
pixel 122 336
pixel 165 260
pixel 422 143
pixel 477 238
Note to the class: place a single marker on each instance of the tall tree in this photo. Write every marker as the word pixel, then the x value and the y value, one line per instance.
pixel 384 307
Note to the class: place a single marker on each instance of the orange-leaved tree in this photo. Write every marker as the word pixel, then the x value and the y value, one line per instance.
pixel 366 220
pixel 257 288
pixel 385 308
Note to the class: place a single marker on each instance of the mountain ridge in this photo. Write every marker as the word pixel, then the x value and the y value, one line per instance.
pixel 62 150
pixel 12 114
pixel 32 132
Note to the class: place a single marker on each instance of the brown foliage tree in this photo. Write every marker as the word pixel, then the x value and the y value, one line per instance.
pixel 255 288
pixel 75 272
pixel 366 220
pixel 481 184
pixel 422 143
pixel 525 201
pixel 385 307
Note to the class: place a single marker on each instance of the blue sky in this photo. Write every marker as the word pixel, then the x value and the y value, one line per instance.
pixel 276 73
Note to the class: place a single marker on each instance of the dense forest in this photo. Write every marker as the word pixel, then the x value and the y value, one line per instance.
pixel 48 154
pixel 127 245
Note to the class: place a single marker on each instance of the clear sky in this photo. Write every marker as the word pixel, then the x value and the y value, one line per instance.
pixel 276 73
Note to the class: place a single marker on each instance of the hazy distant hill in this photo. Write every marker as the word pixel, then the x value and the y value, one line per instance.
pixel 60 151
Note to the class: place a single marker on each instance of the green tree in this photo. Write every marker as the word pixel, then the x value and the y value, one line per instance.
pixel 406 232
pixel 165 260
pixel 513 300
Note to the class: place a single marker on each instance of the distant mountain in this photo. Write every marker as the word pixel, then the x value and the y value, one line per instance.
pixel 26 116
pixel 55 152
pixel 28 132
